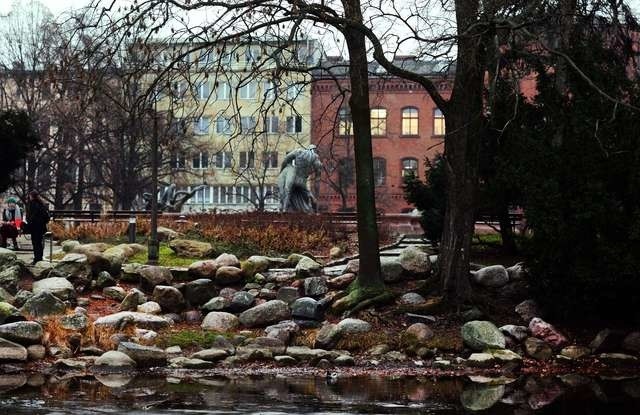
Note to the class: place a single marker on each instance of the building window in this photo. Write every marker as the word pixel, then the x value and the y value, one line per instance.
pixel 294 124
pixel 345 123
pixel 200 160
pixel 223 126
pixel 223 160
pixel 201 125
pixel 379 171
pixel 203 90
pixel 252 54
pixel 248 91
pixel 248 124
pixel 378 121
pixel 271 125
pixel 346 172
pixel 180 89
pixel 247 160
pixel 409 167
pixel 204 59
pixel 270 159
pixel 438 122
pixel 410 121
pixel 294 91
pixel 177 161
pixel 223 91
pixel 269 90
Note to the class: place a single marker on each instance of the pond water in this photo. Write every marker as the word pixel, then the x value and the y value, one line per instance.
pixel 281 394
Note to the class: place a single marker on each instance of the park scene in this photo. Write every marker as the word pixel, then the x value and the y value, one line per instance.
pixel 319 207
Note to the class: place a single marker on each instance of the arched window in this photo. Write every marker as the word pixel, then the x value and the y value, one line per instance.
pixel 409 167
pixel 345 123
pixel 378 121
pixel 379 171
pixel 410 121
pixel 438 122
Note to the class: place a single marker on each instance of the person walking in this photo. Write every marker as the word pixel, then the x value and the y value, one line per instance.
pixel 37 219
pixel 11 221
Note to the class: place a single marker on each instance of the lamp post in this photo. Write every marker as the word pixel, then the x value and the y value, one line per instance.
pixel 153 254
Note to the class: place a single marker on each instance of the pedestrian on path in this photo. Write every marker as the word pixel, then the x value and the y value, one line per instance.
pixel 37 219
pixel 11 221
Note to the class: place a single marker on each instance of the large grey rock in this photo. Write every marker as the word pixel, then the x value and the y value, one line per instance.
pixel 412 299
pixel 391 269
pixel 151 275
pixel 60 287
pixel 10 276
pixel 264 314
pixel 537 348
pixel 493 276
pixel 199 291
pixel 353 267
pixel 104 279
pixel 69 245
pixel 93 247
pixel 216 304
pixel 43 304
pixel 517 272
pixel 315 286
pixel 481 335
pixel 527 310
pixel 144 356
pixel 6 296
pixel 307 308
pixel 519 333
pixel 220 321
pixel 76 322
pixel 211 355
pixel 273 344
pixel 305 354
pixel 288 294
pixel 480 397
pixel 150 307
pixel 9 313
pixel 115 293
pixel 21 297
pixel 167 234
pixel 23 332
pixel 350 326
pixel 420 331
pixel 545 331
pixel 75 268
pixel 132 300
pixel 241 301
pixel 7 257
pixel 12 351
pixel 283 330
pixel 191 249
pixel 226 275
pixel 203 269
pixel 255 264
pixel 41 269
pixel 327 337
pixel 141 320
pixel 414 261
pixel 116 360
pixel 307 267
pixel 227 260
pixel 170 298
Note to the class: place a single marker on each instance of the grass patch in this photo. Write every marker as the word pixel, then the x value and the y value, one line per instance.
pixel 167 258
pixel 188 339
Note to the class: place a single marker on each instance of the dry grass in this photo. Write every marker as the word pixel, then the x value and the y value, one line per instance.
pixel 56 335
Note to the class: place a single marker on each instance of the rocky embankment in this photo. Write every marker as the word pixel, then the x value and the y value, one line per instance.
pixel 275 311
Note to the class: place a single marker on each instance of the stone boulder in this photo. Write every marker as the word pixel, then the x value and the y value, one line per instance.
pixel 170 298
pixel 227 275
pixel 517 272
pixel 93 247
pixel 392 270
pixel 545 331
pixel 167 234
pixel 114 293
pixel 216 304
pixel 191 249
pixel 104 280
pixel 527 310
pixel 9 313
pixel 241 301
pixel 350 326
pixel 60 287
pixel 341 282
pixel 144 356
pixel 518 333
pixel 538 349
pixel 140 320
pixel 69 245
pixel 255 264
pixel 327 337
pixel 132 300
pixel 353 267
pixel 283 330
pixel 315 286
pixel 420 332
pixel 307 308
pixel 12 351
pixel 412 299
pixel 10 276
pixel 7 257
pixel 75 268
pixel 150 307
pixel 480 397
pixel 414 261
pixel 220 321
pixel 22 332
pixel 75 322
pixel 43 304
pixel 493 277
pixel 211 355
pixel 114 359
pixel 41 269
pixel 288 294
pixel 264 314
pixel 152 275
pixel 203 269
pixel 481 335
pixel 199 291
pixel 307 267
pixel 227 260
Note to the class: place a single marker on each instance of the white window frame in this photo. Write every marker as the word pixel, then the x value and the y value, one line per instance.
pixel 294 124
pixel 248 91
pixel 271 124
pixel 224 125
pixel 223 91
pixel 202 125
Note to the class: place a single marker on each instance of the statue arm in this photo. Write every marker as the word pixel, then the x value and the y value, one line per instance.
pixel 288 159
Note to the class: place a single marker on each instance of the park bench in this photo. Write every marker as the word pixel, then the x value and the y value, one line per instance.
pixel 75 215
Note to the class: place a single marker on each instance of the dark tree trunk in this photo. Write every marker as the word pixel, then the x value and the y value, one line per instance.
pixel 506 229
pixel 370 275
pixel 465 123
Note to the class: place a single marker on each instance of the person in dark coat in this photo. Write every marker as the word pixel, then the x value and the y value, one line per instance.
pixel 37 219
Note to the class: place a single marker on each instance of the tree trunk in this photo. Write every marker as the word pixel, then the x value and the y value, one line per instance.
pixel 465 123
pixel 370 275
pixel 506 229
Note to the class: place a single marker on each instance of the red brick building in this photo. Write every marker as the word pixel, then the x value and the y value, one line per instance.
pixel 406 127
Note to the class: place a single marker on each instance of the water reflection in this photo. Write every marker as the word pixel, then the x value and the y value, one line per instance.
pixel 279 394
